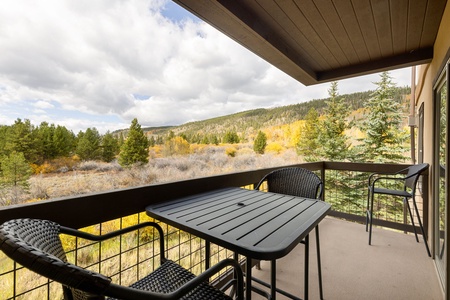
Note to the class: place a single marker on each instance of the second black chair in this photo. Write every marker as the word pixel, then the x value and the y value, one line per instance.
pixel 407 191
pixel 298 182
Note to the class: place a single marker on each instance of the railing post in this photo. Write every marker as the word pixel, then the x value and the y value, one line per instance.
pixel 322 177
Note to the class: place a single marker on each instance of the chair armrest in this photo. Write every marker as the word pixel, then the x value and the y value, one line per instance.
pixel 372 184
pixel 376 174
pixel 99 238
pixel 122 292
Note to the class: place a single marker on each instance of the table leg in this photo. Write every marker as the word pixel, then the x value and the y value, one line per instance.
pixel 273 280
pixel 248 278
pixel 207 254
pixel 306 266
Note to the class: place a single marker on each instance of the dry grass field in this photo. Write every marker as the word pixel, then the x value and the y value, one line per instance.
pixel 92 176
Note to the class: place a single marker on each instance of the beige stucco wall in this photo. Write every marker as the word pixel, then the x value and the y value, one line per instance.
pixel 427 75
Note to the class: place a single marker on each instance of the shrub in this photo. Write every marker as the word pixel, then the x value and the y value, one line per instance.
pixel 45 168
pixel 274 147
pixel 231 151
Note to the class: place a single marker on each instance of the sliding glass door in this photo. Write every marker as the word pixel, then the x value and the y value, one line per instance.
pixel 441 174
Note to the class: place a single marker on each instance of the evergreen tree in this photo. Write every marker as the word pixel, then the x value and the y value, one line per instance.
pixel 46 132
pixel 152 141
pixel 171 135
pixel 308 142
pixel 135 148
pixel 121 139
pixel 110 147
pixel 15 170
pixel 260 143
pixel 23 138
pixel 384 140
pixel 205 140
pixel 88 146
pixel 4 131
pixel 214 139
pixel 64 141
pixel 332 138
pixel 335 147
pixel 231 137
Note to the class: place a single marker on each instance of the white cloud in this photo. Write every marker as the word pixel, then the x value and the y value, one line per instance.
pixel 124 58
pixel 43 105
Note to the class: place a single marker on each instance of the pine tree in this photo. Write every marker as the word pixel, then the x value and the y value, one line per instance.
pixel 308 142
pixel 15 170
pixel 110 147
pixel 4 132
pixel 152 141
pixel 46 132
pixel 23 138
pixel 135 148
pixel 384 140
pixel 64 141
pixel 260 143
pixel 88 146
pixel 332 138
pixel 231 137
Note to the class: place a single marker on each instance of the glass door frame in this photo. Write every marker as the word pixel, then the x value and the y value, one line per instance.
pixel 441 259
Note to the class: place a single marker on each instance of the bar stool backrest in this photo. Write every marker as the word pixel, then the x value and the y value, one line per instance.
pixel 414 171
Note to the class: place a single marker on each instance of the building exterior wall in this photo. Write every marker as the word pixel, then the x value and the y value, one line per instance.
pixel 426 78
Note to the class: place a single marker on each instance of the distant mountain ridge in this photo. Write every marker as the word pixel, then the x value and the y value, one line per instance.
pixel 260 118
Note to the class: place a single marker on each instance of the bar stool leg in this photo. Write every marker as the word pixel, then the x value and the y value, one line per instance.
pixel 370 216
pixel 421 227
pixel 319 264
pixel 406 202
pixel 367 209
pixel 306 285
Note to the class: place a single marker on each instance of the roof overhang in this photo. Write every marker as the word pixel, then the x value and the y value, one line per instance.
pixel 323 40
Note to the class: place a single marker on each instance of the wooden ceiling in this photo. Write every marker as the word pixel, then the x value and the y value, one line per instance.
pixel 317 41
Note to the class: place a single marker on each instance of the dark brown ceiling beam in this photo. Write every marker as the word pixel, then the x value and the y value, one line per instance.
pixel 413 58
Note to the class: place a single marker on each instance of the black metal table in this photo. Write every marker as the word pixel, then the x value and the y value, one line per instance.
pixel 258 225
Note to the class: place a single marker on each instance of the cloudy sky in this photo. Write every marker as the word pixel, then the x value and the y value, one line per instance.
pixel 84 63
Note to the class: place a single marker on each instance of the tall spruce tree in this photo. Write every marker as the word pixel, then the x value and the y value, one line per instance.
pixel 332 137
pixel 384 139
pixel 135 148
pixel 335 147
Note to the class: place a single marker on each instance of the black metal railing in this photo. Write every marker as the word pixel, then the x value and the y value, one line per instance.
pixel 133 256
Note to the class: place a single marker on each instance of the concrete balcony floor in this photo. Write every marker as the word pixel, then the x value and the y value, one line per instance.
pixel 394 267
